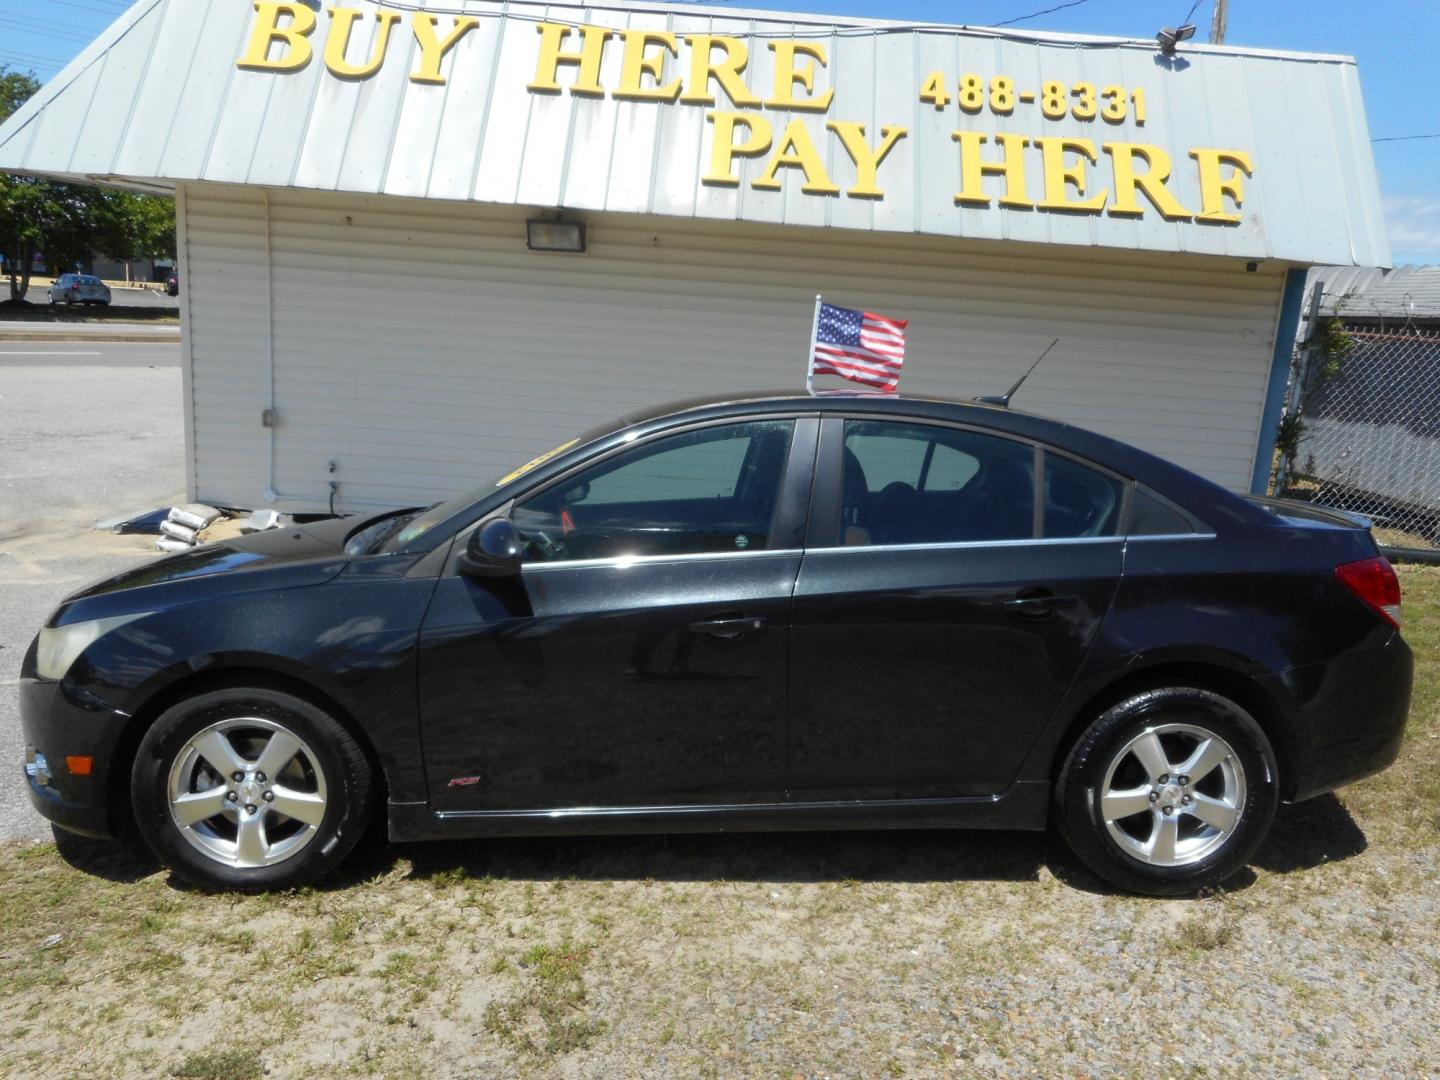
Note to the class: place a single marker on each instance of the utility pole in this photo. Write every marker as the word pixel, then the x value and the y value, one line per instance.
pixel 1217 23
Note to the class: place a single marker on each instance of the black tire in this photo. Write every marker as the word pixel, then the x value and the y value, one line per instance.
pixel 331 764
pixel 1177 713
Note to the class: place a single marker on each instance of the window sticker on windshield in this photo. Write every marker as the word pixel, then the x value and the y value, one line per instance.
pixel 523 469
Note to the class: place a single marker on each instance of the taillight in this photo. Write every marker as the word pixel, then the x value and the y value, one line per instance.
pixel 1374 581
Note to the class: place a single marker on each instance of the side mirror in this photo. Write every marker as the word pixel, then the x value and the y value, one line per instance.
pixel 493 551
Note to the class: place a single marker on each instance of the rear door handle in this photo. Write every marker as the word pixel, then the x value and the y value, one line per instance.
pixel 729 627
pixel 1039 602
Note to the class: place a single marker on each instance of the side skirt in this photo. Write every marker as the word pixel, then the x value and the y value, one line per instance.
pixel 1024 805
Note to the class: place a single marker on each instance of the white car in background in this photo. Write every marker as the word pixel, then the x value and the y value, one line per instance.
pixel 79 289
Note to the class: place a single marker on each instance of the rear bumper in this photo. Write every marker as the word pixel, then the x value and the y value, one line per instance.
pixel 1351 716
pixel 56 725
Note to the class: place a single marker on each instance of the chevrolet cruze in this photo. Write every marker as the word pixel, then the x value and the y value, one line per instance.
pixel 780 612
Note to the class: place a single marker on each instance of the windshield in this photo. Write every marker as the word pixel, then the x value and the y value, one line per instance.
pixel 420 524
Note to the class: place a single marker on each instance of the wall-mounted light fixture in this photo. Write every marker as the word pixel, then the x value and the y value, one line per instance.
pixel 555 235
pixel 1168 38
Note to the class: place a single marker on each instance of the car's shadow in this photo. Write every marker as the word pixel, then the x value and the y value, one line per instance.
pixel 1304 836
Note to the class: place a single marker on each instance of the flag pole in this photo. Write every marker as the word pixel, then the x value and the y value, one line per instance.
pixel 810 360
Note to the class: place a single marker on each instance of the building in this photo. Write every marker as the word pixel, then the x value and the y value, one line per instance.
pixel 362 317
pixel 1371 435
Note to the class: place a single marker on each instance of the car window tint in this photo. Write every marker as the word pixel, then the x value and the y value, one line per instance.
pixel 710 490
pixel 949 469
pixel 1152 516
pixel 955 485
pixel 1079 500
pixel 86 279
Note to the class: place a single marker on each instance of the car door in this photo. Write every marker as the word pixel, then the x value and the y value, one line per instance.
pixel 939 615
pixel 640 656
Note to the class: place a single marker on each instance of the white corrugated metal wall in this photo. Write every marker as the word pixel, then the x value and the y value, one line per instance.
pixel 422 348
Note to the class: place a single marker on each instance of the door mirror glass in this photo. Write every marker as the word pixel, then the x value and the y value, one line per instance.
pixel 493 551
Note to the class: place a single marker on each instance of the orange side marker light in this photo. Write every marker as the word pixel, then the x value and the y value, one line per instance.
pixel 79 765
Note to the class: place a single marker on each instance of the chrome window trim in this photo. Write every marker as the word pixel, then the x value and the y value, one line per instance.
pixel 1172 536
pixel 624 562
pixel 962 545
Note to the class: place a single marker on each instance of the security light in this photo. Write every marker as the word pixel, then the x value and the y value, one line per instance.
pixel 1168 38
pixel 555 235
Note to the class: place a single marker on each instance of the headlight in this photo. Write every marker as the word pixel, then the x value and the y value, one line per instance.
pixel 59 646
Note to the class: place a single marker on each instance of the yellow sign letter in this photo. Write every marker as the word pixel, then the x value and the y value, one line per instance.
pixel 337 42
pixel 726 72
pixel 592 46
pixel 973 169
pixel 297 51
pixel 432 48
pixel 1151 181
pixel 867 161
pixel 1214 187
pixel 637 64
pixel 787 75
pixel 797 151
pixel 724 152
pixel 1059 176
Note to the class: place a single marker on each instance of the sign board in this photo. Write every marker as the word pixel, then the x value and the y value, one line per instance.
pixel 948 131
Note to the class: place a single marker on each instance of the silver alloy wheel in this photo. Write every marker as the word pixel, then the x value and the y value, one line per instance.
pixel 247 792
pixel 1180 795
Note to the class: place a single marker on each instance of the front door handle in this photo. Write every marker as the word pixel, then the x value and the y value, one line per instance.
pixel 1038 602
pixel 730 627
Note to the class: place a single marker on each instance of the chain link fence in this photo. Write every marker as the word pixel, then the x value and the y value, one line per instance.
pixel 1369 434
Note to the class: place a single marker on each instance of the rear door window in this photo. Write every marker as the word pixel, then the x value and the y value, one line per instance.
pixel 1080 501
pixel 910 483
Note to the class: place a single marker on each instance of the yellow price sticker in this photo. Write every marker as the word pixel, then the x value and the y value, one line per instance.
pixel 535 463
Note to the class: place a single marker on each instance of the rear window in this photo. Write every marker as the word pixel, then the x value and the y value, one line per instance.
pixel 88 279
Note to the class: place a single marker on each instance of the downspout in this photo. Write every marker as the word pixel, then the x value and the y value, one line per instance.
pixel 1288 323
pixel 271 417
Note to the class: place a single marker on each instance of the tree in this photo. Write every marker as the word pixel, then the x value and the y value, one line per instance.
pixel 70 222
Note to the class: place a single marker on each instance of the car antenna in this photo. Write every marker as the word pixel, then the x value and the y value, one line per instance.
pixel 1003 400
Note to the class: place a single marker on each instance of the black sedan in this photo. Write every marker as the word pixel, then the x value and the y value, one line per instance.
pixel 781 612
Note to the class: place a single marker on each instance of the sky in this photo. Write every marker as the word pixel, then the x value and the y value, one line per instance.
pixel 1394 41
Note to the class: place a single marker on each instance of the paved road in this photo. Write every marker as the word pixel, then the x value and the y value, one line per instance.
pixel 87 432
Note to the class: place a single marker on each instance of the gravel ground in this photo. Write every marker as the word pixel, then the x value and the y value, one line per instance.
pixel 924 954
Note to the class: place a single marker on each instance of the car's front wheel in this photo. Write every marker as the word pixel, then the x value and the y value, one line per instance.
pixel 1168 792
pixel 250 789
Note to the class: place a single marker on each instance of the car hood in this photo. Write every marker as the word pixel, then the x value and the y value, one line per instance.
pixel 293 557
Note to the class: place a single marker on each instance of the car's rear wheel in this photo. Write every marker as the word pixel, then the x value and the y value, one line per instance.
pixel 1168 792
pixel 250 789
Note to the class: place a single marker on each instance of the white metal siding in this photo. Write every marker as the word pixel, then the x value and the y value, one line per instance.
pixel 420 346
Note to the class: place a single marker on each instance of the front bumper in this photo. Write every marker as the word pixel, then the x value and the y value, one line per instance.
pixel 1351 716
pixel 57 724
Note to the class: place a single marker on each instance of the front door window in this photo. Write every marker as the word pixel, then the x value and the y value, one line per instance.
pixel 706 491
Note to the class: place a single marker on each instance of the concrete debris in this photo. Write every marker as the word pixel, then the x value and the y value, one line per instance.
pixel 260 520
pixel 175 531
pixel 194 516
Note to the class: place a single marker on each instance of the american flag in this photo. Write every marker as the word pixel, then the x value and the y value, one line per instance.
pixel 860 346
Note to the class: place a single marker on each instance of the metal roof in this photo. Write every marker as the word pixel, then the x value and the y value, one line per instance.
pixel 159 98
pixel 1408 292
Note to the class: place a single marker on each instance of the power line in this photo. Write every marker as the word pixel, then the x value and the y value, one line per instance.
pixel 109 13
pixel 1037 14
pixel 42 29
pixel 1405 138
